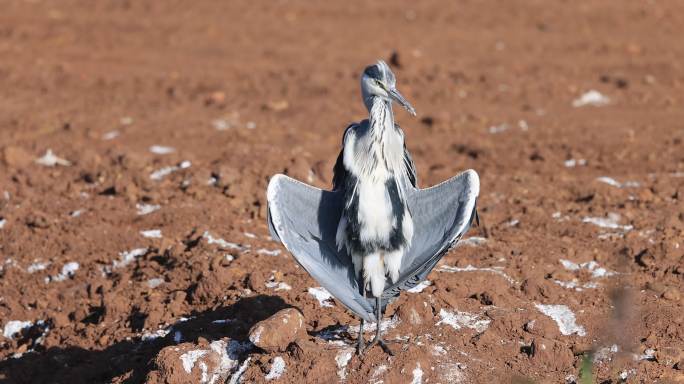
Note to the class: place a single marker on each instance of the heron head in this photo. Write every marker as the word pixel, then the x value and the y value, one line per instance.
pixel 379 81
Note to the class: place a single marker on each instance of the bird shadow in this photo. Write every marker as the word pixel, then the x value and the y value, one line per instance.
pixel 131 360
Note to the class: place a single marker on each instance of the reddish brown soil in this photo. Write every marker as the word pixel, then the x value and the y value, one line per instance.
pixel 282 78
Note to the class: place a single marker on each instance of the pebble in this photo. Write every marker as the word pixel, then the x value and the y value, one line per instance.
pixel 416 311
pixel 656 287
pixel 279 105
pixel 278 331
pixel 217 97
pixel 669 356
pixel 672 294
pixel 552 355
pixel 37 220
pixel 16 157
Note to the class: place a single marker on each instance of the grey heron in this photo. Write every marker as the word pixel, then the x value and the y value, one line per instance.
pixel 375 233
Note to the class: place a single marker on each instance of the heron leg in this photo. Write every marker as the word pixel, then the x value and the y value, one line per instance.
pixel 378 335
pixel 361 343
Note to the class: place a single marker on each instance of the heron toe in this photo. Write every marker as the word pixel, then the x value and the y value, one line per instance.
pixel 381 343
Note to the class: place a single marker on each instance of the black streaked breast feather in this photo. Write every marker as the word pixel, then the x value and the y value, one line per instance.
pixel 340 173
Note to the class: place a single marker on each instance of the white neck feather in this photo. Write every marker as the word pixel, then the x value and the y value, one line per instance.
pixel 381 118
pixel 384 152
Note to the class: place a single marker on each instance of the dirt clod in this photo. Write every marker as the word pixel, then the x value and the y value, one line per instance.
pixel 278 331
pixel 552 354
pixel 16 157
pixel 672 294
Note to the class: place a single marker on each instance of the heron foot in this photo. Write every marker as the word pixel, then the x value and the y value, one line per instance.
pixel 379 341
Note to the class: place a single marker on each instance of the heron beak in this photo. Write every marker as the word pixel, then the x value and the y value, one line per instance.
pixel 396 96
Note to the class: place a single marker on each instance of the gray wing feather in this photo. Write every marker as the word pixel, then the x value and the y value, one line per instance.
pixel 305 220
pixel 441 215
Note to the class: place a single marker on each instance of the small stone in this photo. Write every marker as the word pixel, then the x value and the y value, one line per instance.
pixel 21 349
pixel 634 49
pixel 60 319
pixel 278 331
pixel 212 284
pixel 217 97
pixel 672 294
pixel 103 340
pixel 416 311
pixel 680 364
pixel 279 105
pixel 669 356
pixel 656 287
pixel 581 347
pixel 543 326
pixel 562 275
pixel 651 340
pixel 16 157
pixel 551 354
pixel 37 221
pixel 646 259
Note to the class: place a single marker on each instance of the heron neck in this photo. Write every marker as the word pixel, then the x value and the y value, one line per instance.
pixel 381 118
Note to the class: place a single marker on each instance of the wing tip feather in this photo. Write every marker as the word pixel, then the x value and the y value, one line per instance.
pixel 474 180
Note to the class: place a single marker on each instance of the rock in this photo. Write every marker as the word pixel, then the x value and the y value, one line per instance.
pixel 103 340
pixel 551 354
pixel 543 326
pixel 227 175
pixel 669 356
pixel 203 362
pixel 212 284
pixel 672 294
pixel 537 287
pixel 177 303
pixel 278 331
pixel 60 319
pixel 37 220
pixel 562 274
pixel 301 169
pixel 634 49
pixel 656 286
pixel 415 311
pixel 277 106
pixel 16 157
pixel 651 340
pixel 216 97
pixel 581 347
pixel 680 364
pixel 646 259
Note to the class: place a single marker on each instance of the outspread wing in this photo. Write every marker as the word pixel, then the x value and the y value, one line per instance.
pixel 305 220
pixel 441 215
